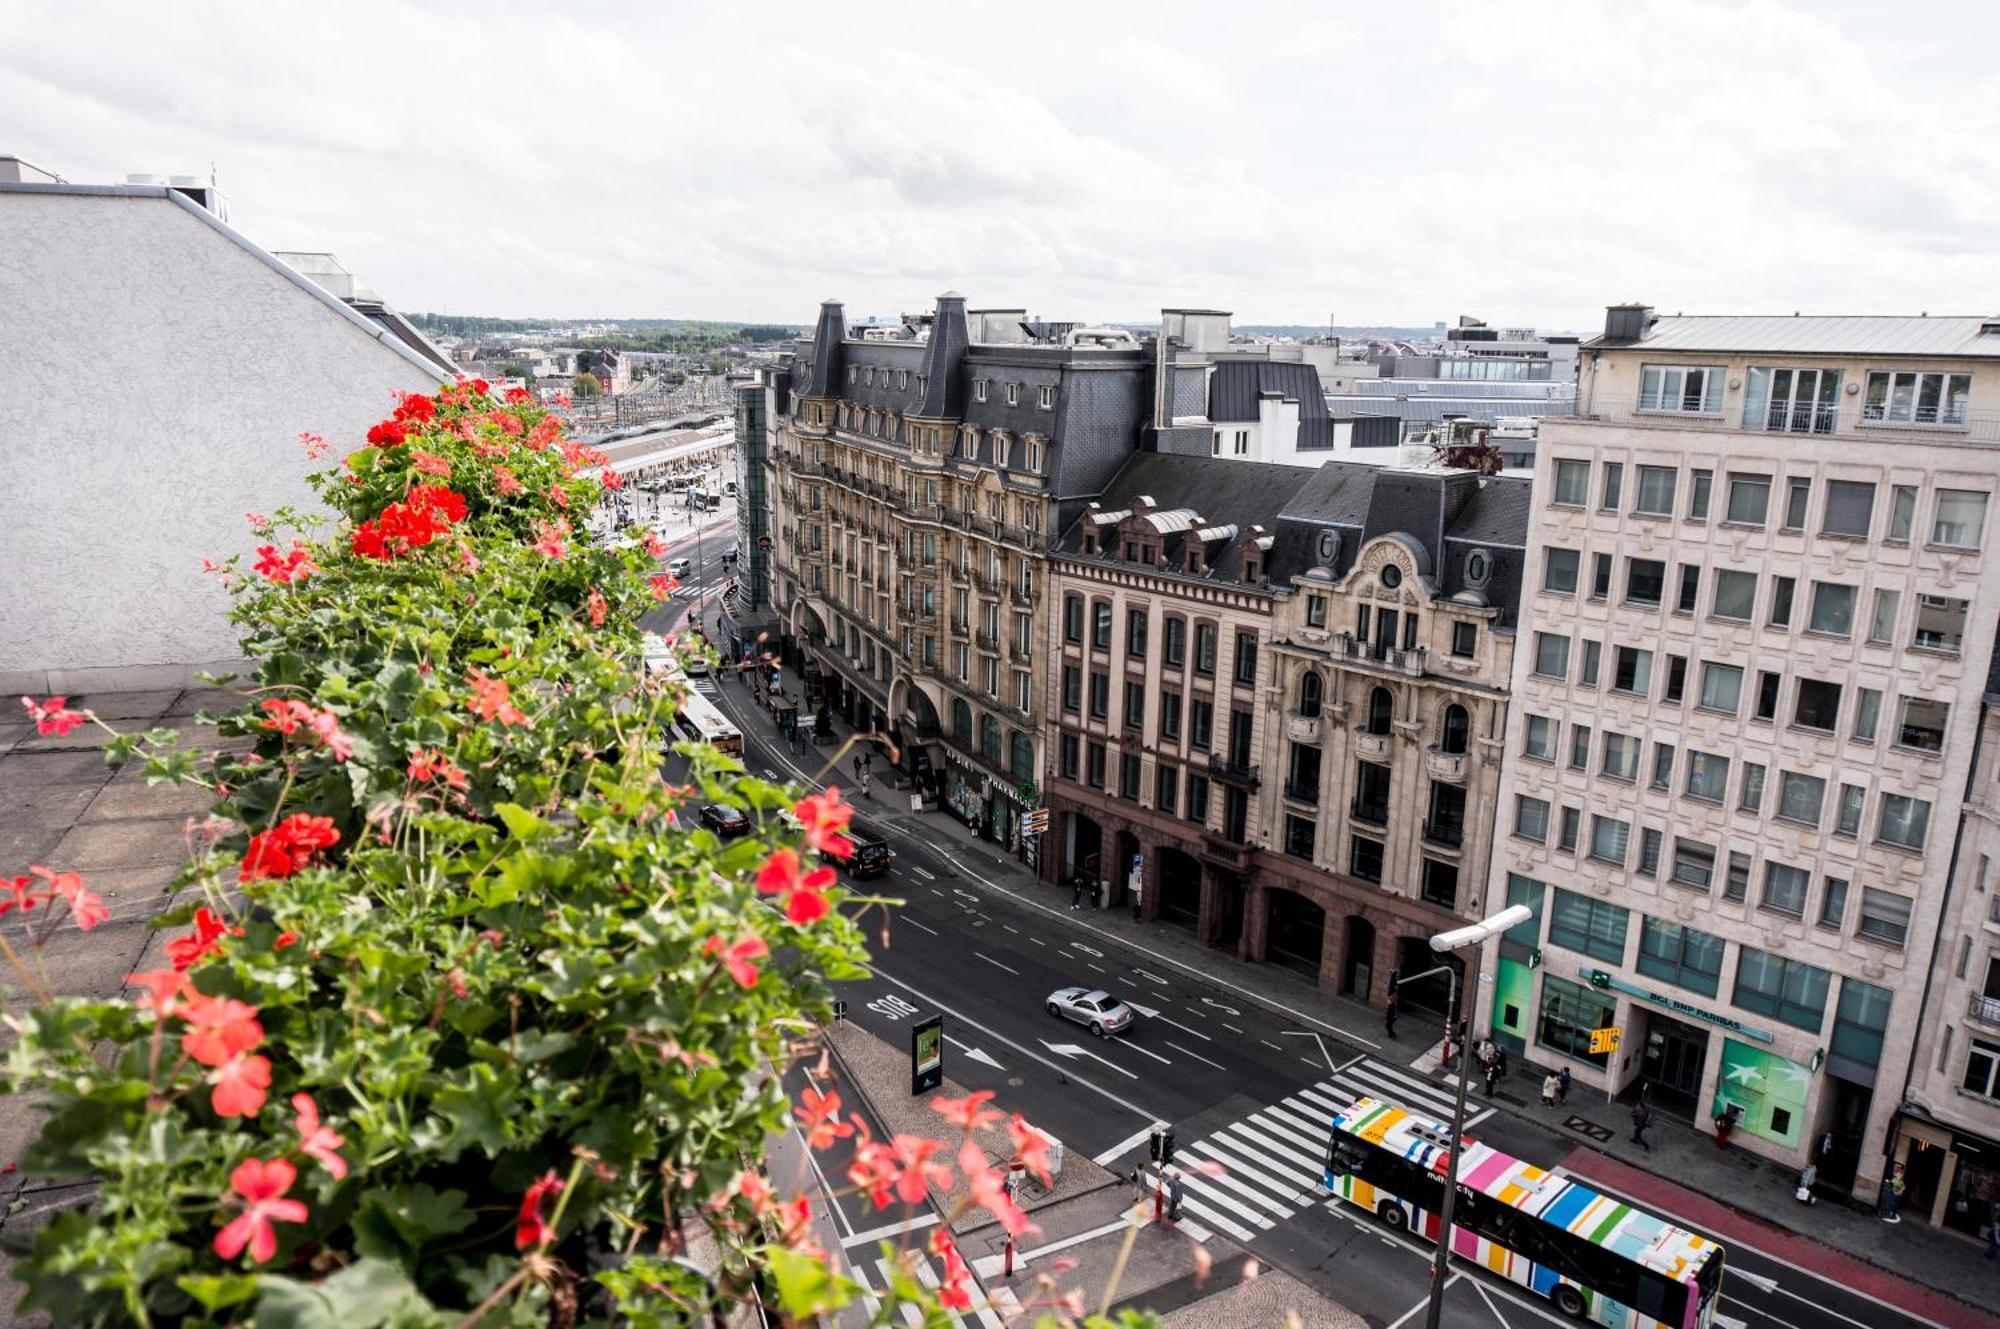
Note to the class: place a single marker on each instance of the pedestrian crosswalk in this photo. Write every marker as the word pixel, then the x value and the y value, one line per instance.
pixel 1258 1171
pixel 876 1274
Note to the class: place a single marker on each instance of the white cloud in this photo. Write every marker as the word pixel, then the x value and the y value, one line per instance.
pixel 1528 163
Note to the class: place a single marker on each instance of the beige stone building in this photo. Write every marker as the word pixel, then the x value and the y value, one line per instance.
pixel 1276 704
pixel 1753 647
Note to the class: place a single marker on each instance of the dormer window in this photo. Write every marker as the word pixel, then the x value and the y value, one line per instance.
pixel 1193 558
pixel 1131 551
pixel 1146 552
pixel 1392 576
pixel 1253 571
pixel 1013 394
pixel 1090 542
pixel 1048 398
pixel 979 389
pixel 902 378
pixel 923 382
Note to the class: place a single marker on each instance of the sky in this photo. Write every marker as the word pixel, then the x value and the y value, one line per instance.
pixel 1526 163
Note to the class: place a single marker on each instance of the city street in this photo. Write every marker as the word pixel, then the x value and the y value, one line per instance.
pixel 1247 1086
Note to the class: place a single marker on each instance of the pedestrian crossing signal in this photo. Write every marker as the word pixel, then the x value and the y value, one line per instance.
pixel 1604 1040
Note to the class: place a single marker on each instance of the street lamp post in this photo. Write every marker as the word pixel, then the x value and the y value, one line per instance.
pixel 1458 939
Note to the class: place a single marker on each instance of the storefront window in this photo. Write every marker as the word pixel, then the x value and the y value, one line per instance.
pixel 1569 1012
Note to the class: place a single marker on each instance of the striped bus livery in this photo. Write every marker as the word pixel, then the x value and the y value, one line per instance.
pixel 1597 1258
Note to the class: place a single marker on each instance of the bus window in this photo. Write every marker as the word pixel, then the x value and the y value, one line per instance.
pixel 1346 1156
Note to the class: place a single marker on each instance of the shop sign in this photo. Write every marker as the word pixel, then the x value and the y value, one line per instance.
pixel 1600 979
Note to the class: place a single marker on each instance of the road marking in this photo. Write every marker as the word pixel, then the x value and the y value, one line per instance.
pixel 1310 1062
pixel 1226 1010
pixel 927 876
pixel 1196 1055
pixel 1130 1046
pixel 915 1223
pixel 1098 967
pixel 1072 1050
pixel 977 1054
pixel 1011 928
pixel 986 1266
pixel 1404 1318
pixel 1152 1014
pixel 996 964
pixel 1137 1137
pixel 1269 1044
pixel 1232 1028
pixel 1087 950
pixel 1201 1014
pixel 1149 976
pixel 919 926
pixel 1038 941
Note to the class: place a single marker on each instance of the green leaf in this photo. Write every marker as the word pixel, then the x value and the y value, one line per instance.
pixel 395 1222
pixel 805 1288
pixel 361 1296
pixel 540 1044
pixel 216 1291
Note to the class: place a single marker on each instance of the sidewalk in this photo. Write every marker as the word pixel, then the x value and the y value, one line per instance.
pixel 1757 1189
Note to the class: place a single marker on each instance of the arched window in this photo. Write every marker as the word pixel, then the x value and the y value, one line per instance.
pixel 1309 693
pixel 1381 711
pixel 1457 728
pixel 961 722
pixel 1024 757
pixel 989 738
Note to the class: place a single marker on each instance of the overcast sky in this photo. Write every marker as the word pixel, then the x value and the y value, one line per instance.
pixel 1292 163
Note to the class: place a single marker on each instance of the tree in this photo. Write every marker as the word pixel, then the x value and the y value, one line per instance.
pixel 516 369
pixel 586 385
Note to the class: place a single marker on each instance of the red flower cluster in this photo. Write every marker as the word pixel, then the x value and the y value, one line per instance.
pixel 209 930
pixel 492 699
pixel 315 444
pixel 260 1186
pixel 506 481
pixel 739 957
pixel 287 847
pixel 429 463
pixel 596 605
pixel 23 893
pixel 388 433
pixel 295 564
pixel 952 1293
pixel 824 817
pixel 610 479
pixel 517 396
pixel 318 1141
pixel 416 406
pixel 53 715
pixel 663 586
pixel 804 892
pixel 218 1032
pixel 287 716
pixel 531 1232
pixel 425 513
pixel 549 536
pixel 428 767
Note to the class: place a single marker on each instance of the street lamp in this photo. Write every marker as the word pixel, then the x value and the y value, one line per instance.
pixel 1454 940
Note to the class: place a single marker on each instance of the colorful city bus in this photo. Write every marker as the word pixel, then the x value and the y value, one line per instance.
pixel 701 719
pixel 1597 1258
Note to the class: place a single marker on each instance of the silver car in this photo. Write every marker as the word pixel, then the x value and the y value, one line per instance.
pixel 1095 1007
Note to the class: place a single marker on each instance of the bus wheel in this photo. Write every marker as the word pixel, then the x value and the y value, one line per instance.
pixel 1568 1300
pixel 1392 1215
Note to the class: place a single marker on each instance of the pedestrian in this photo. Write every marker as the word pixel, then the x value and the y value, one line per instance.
pixel 1562 1086
pixel 1993 1228
pixel 1076 891
pixel 1807 1180
pixel 1174 1190
pixel 1500 1059
pixel 1725 1122
pixel 1491 1072
pixel 1551 1086
pixel 1389 1014
pixel 1642 1117
pixel 1892 1196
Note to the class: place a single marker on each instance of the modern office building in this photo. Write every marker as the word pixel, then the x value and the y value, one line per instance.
pixel 1753 651
pixel 1276 702
pixel 746 611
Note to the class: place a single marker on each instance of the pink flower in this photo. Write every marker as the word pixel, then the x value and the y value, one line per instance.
pixel 430 463
pixel 85 906
pixel 820 1115
pixel 241 1085
pixel 968 1113
pixel 506 480
pixel 53 716
pixel 739 957
pixel 989 1190
pixel 493 700
pixel 258 521
pixel 260 1186
pixel 219 1029
pixel 294 565
pixel 549 539
pixel 315 445
pixel 317 1140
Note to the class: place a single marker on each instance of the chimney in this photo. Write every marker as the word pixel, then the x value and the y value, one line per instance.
pixel 1627 323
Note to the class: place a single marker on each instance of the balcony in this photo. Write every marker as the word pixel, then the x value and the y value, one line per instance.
pixel 1370 747
pixel 1447 766
pixel 1221 852
pixel 1851 417
pixel 1450 834
pixel 987 642
pixel 924 512
pixel 1982 1009
pixel 959 576
pixel 1374 814
pixel 1020 598
pixel 989 586
pixel 1021 654
pixel 1350 649
pixel 1235 772
pixel 1303 728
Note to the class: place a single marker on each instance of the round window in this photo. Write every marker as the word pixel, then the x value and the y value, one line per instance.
pixel 1392 576
pixel 1478 567
pixel 1329 545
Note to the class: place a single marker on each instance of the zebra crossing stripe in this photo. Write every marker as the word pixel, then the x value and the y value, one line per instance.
pixel 1290 1128
pixel 1285 1188
pixel 1276 1150
pixel 1206 1186
pixel 1193 1200
pixel 1329 1098
pixel 911 1316
pixel 1229 1177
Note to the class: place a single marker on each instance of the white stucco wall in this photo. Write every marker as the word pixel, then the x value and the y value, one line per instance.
pixel 157 377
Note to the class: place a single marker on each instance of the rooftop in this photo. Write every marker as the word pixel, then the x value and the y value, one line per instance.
pixel 1958 336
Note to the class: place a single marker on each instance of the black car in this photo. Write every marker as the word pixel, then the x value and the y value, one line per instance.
pixel 872 854
pixel 725 821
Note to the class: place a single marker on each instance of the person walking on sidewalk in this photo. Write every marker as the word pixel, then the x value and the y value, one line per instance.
pixel 1490 1072
pixel 1550 1088
pixel 1389 1014
pixel 1642 1117
pixel 1562 1086
pixel 1892 1196
pixel 1174 1191
pixel 1076 891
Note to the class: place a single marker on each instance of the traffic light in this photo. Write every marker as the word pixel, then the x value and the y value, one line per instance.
pixel 1153 1142
pixel 1167 1148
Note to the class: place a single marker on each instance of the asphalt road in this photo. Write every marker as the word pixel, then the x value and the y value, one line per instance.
pixel 1247 1087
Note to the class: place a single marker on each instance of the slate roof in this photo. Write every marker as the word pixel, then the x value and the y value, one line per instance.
pixel 1956 336
pixel 1236 386
pixel 1224 492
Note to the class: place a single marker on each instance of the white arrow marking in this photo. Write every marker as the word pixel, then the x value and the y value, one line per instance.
pixel 975 1053
pixel 1072 1051
pixel 1149 977
pixel 1226 1010
pixel 1134 1047
pixel 1091 951
pixel 1152 1014
pixel 921 873
pixel 965 895
pixel 1758 1281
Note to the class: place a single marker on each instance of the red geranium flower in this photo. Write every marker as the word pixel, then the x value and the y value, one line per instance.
pixel 241 1085
pixel 287 847
pixel 186 952
pixel 968 1113
pixel 219 1029
pixel 805 901
pixel 506 481
pixel 663 585
pixel 85 906
pixel 295 564
pixel 315 445
pixel 429 463
pixel 517 396
pixel 316 1140
pixel 530 1231
pixel 53 715
pixel 388 433
pixel 164 990
pixel 739 957
pixel 596 605
pixel 259 1185
pixel 824 817
pixel 610 479
pixel 416 406
pixel 549 539
pixel 493 700
pixel 428 767
pixel 820 1115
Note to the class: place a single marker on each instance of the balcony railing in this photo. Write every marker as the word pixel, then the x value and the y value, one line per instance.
pixel 1851 417
pixel 1983 1010
pixel 1020 598
pixel 987 641
pixel 1450 834
pixel 1302 728
pixel 1020 654
pixel 1352 649
pixel 1447 766
pixel 1236 772
pixel 1375 814
pixel 1373 747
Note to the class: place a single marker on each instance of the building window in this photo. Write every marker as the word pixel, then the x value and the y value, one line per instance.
pixel 1166 787
pixel 1024 692
pixel 1068 758
pixel 1464 640
pixel 1982 1070
pixel 1170 715
pixel 1903 821
pixel 1736 885
pixel 1457 729
pixel 1100 696
pixel 1371 793
pixel 1073 618
pixel 1663 766
pixel 1850 509
pixel 1246 657
pixel 1197 797
pixel 1882 618
pixel 1440 884
pixel 1698 495
pixel 1817 705
pixel 1572 486
pixel 1531 818
pixel 1135 633
pixel 1302 773
pixel 1299 836
pixel 1204 648
pixel 1902 511
pixel 1645 581
pixel 1847 813
pixel 1381 711
pixel 1568 830
pixel 1551 655
pixel 1315 611
pixel 1201 721
pixel 1632 670
pixel 1940 624
pixel 1721 688
pixel 1750 798
pixel 1072 684
pixel 1579 747
pixel 1694 864
pixel 1559 571
pixel 1593 658
pixel 1621 756
pixel 1922 724
pixel 1023 757
pixel 1614 487
pixel 1783 589
pixel 1176 645
pixel 1135 704
pixel 1860 1020
pixel 1785 889
pixel 979 389
pixel 1832 609
pixel 1735 595
pixel 1833 903
pixel 1569 1012
pixel 1688 598
pixel 1100 626
pixel 1047 398
pixel 1539 738
pixel 1690 389
pixel 1885 916
pixel 1600 576
pixel 1798 497
pixel 1311 690
pixel 1610 840
pixel 1655 494
pixel 1683 956
pixel 1960 520
pixel 1707 776
pixel 1364 858
pixel 1788 991
pixel 1128 776
pixel 1915 399
pixel 1800 797
pixel 1749 499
